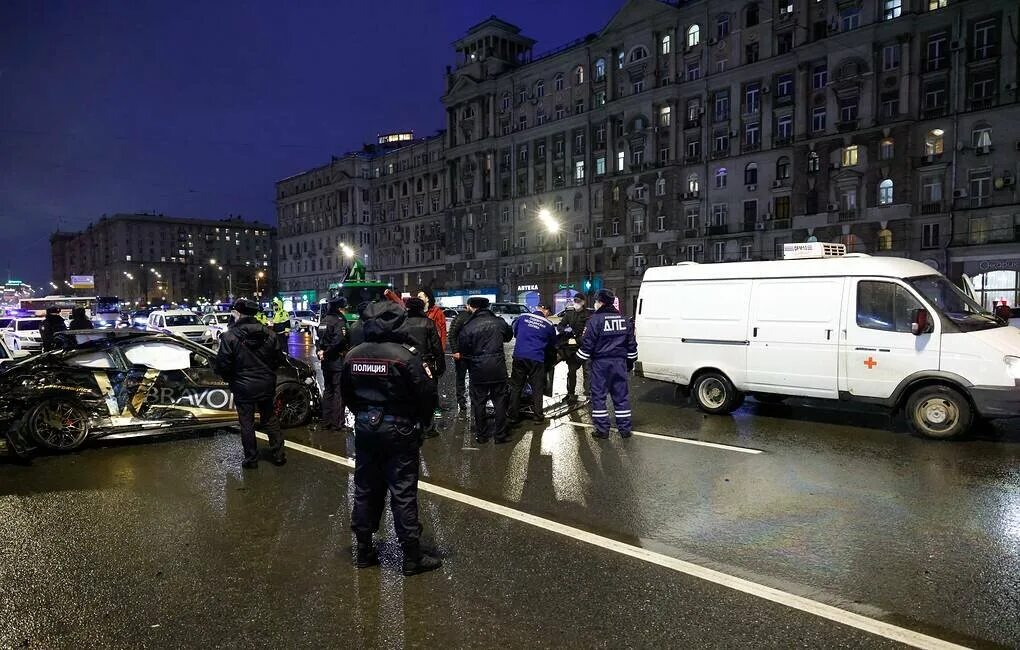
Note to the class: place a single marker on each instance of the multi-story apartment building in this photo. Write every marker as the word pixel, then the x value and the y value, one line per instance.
pixel 154 258
pixel 720 131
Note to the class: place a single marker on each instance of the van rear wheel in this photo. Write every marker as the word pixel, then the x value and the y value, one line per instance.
pixel 714 393
pixel 939 412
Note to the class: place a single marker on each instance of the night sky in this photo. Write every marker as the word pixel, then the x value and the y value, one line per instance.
pixel 195 108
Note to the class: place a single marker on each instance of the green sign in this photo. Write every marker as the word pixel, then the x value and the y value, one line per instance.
pixel 567 286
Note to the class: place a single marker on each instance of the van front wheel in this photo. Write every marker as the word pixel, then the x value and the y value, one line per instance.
pixel 939 412
pixel 716 394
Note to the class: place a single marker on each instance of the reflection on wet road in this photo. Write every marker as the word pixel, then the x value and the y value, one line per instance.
pixel 841 507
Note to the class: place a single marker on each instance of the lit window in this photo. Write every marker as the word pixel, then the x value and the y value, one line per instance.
pixel 693 35
pixel 600 166
pixel 813 161
pixel 600 70
pixel 664 116
pixel 621 158
pixel 660 187
pixel 667 44
pixel 850 156
pixel 540 88
pixel 934 142
pixel 891 9
pixel 579 75
pixel 720 178
pixel 693 184
pixel 934 5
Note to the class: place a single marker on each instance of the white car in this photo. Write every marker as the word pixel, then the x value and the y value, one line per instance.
pixel 823 324
pixel 177 322
pixel 304 321
pixel 23 334
pixel 215 325
pixel 9 356
pixel 509 311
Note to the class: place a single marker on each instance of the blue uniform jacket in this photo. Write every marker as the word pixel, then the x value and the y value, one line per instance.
pixel 535 335
pixel 608 335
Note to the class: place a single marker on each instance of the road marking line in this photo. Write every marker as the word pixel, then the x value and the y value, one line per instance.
pixel 793 601
pixel 686 441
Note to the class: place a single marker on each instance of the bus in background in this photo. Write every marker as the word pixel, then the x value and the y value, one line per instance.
pixel 103 310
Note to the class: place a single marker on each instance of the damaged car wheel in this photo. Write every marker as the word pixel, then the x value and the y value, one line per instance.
pixel 293 406
pixel 57 425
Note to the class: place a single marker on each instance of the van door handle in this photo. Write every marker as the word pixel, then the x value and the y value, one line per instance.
pixel 756 331
pixel 828 335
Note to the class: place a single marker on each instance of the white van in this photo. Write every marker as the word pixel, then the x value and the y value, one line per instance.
pixel 828 325
pixel 179 322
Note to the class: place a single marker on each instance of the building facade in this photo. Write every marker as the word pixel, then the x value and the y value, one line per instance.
pixel 713 132
pixel 143 258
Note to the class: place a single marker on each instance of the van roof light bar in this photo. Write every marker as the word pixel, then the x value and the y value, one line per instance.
pixel 812 250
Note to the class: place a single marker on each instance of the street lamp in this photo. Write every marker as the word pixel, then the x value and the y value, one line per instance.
pixel 258 276
pixel 346 250
pixel 553 227
pixel 230 280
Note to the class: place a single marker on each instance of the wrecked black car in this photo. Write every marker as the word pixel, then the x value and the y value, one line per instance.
pixel 122 383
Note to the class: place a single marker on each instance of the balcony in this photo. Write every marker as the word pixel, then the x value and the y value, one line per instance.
pixel 713 231
pixel 693 124
pixel 848 215
pixel 750 225
pixel 638 237
pixel 981 102
pixel 690 233
pixel 781 224
pixel 690 159
pixel 936 64
pixel 932 112
pixel 935 207
pixel 783 141
pixel 750 146
pixel 846 126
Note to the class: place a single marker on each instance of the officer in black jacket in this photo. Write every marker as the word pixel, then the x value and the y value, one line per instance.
pixel 248 357
pixel 480 344
pixel 392 393
pixel 459 364
pixel 570 328
pixel 333 343
pixel 424 335
pixel 50 326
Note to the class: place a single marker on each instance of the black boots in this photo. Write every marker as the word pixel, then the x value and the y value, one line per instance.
pixel 415 561
pixel 365 554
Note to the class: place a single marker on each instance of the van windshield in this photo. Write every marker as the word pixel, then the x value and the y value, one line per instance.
pixel 954 303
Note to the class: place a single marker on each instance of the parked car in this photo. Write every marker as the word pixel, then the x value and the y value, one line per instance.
pixel 882 330
pixel 177 322
pixel 121 383
pixel 139 318
pixel 303 320
pixel 215 324
pixel 509 311
pixel 8 356
pixel 23 334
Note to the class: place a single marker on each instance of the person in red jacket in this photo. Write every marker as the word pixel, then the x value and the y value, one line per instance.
pixel 435 313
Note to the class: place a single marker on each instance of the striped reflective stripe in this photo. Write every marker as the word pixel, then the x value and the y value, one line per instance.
pixel 583 355
pixel 620 413
pixel 632 355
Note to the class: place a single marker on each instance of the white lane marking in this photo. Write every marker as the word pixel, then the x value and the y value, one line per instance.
pixel 659 436
pixel 800 603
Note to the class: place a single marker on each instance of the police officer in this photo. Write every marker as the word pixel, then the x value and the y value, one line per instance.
pixel 480 343
pixel 535 340
pixel 608 343
pixel 50 326
pixel 392 393
pixel 79 321
pixel 333 342
pixel 279 322
pixel 247 359
pixel 570 329
pixel 421 329
pixel 459 363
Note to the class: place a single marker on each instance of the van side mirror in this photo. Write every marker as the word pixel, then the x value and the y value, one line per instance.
pixel 921 323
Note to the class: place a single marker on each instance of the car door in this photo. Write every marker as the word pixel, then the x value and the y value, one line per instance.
pixel 878 349
pixel 794 336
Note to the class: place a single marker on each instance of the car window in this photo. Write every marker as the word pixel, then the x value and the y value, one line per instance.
pixel 159 355
pixel 885 306
pixel 5 322
pixel 92 359
pixel 27 325
pixel 181 320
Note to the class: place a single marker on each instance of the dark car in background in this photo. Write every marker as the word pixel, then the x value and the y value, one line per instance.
pixel 123 383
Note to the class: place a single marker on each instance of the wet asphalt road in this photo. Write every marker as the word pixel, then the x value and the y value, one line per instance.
pixel 167 543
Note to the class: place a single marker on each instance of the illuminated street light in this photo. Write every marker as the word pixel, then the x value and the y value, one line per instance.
pixel 346 250
pixel 553 226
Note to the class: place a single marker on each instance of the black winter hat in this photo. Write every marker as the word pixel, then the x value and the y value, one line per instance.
pixel 478 302
pixel 245 307
pixel 605 296
pixel 416 305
